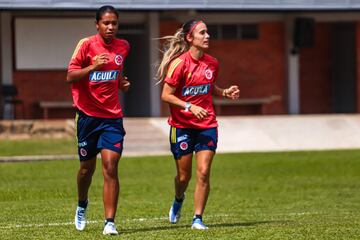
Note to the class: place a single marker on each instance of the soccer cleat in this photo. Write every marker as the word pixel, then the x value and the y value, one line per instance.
pixel 175 211
pixel 198 224
pixel 110 229
pixel 80 218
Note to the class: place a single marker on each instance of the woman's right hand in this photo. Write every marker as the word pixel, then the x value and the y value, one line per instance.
pixel 100 60
pixel 199 112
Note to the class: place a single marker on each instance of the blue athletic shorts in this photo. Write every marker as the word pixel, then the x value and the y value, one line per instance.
pixel 94 134
pixel 186 140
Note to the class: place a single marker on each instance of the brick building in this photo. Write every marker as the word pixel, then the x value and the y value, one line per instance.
pixel 288 57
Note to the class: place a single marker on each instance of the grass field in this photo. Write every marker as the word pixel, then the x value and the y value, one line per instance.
pixel 37 147
pixel 298 195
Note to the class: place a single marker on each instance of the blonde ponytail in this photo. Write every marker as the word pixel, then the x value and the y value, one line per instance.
pixel 174 46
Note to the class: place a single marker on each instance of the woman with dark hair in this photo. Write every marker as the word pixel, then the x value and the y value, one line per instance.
pixel 189 76
pixel 95 76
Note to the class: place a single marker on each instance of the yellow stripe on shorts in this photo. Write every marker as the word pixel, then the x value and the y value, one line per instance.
pixel 173 134
pixel 76 123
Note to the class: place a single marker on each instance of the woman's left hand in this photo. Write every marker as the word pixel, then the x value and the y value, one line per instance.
pixel 232 92
pixel 124 84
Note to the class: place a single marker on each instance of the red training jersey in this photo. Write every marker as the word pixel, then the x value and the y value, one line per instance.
pixel 97 93
pixel 194 81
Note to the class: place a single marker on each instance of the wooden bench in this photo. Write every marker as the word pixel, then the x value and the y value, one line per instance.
pixel 46 105
pixel 219 102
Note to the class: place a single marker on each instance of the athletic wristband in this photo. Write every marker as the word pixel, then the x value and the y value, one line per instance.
pixel 187 106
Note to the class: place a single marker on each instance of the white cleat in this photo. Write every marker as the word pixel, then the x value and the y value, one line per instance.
pixel 198 224
pixel 175 211
pixel 80 218
pixel 110 229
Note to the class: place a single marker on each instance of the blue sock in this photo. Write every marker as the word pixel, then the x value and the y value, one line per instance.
pixel 198 216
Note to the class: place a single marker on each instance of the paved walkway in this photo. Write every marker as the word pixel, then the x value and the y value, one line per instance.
pixel 149 136
pixel 142 139
pixel 284 132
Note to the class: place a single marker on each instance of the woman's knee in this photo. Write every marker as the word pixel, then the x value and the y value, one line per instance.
pixel 203 174
pixel 87 169
pixel 184 178
pixel 110 169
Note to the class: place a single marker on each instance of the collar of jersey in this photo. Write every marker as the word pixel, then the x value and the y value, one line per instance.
pixel 100 39
pixel 195 60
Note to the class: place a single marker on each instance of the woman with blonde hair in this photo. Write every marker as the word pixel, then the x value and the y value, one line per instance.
pixel 188 75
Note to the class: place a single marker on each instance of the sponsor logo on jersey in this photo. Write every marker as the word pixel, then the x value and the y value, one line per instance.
pixel 183 145
pixel 98 76
pixel 196 90
pixel 119 60
pixel 208 74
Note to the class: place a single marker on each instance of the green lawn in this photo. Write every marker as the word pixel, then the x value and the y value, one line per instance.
pixel 37 147
pixel 298 195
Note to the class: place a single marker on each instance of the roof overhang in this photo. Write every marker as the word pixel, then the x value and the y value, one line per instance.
pixel 255 5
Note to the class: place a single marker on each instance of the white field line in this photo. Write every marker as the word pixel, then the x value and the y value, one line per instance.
pixel 94 222
pixel 303 213
pixel 14 226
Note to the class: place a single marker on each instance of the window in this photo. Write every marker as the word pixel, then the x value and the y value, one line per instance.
pixel 213 31
pixel 229 31
pixel 249 31
pixel 233 31
pixel 51 43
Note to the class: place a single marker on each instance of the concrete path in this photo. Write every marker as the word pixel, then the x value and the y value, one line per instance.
pixel 149 136
pixel 284 133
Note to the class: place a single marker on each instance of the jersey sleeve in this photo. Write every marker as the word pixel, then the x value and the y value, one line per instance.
pixel 174 73
pixel 78 59
pixel 127 46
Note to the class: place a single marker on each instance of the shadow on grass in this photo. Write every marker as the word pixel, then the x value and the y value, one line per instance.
pixel 211 226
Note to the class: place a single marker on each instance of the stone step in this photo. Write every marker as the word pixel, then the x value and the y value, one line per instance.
pixel 143 137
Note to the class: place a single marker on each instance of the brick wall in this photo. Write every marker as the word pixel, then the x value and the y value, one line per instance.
pixel 257 66
pixel 35 86
pixel 315 73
